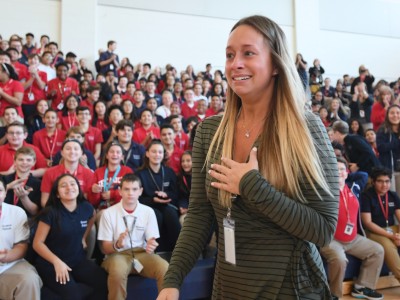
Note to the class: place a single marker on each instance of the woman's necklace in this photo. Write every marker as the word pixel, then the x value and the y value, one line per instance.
pixel 247 132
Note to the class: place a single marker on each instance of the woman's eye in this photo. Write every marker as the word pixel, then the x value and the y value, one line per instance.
pixel 229 55
pixel 249 53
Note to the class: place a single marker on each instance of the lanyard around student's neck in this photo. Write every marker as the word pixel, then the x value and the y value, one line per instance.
pixel 107 184
pixel 51 148
pixel 385 210
pixel 71 120
pixel 345 198
pixel 154 181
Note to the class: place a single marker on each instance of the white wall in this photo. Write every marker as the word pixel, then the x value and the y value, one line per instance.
pixel 342 34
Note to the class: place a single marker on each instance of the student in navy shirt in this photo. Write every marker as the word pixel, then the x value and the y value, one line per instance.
pixel 60 241
pixel 160 193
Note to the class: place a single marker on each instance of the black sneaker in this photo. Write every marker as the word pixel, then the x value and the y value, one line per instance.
pixel 366 293
pixel 334 297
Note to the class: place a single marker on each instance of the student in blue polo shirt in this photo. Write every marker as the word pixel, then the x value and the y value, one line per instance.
pixel 60 241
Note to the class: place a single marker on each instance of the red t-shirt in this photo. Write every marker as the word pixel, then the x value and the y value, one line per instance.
pixel 49 146
pixel 174 160
pixel 101 125
pixel 21 70
pixel 95 198
pixel 33 93
pixel 63 89
pixel 67 121
pixel 7 157
pixel 347 216
pixel 378 114
pixel 84 176
pixel 92 137
pixel 139 134
pixel 210 112
pixel 187 112
pixel 10 88
pixel 182 141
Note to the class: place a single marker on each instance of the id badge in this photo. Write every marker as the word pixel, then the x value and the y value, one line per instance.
pixel 137 265
pixel 31 96
pixel 362 113
pixel 229 238
pixel 349 229
pixel 389 230
pixel 60 106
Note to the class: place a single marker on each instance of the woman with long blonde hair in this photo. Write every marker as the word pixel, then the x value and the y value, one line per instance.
pixel 267 172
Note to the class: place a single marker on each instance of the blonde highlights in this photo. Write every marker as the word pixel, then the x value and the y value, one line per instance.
pixel 286 152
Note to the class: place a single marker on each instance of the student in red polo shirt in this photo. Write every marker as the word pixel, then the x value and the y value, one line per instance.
pixel 93 136
pixel 173 152
pixel 62 86
pixel 104 190
pixel 34 86
pixel 71 152
pixel 189 107
pixel 147 132
pixel 215 106
pixel 67 116
pixel 11 90
pixel 49 139
pixel 20 69
pixel 16 134
pixel 93 94
pixel 181 138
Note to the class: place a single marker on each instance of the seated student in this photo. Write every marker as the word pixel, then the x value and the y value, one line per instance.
pixel 201 110
pixel 160 193
pixel 173 152
pixel 130 91
pixel 164 110
pixel 93 136
pixel 93 94
pixel 152 105
pixel 62 86
pixel 106 179
pixel 114 115
pixel 215 106
pixel 10 116
pixel 22 188
pixel 147 132
pixel 35 121
pixel 67 116
pixel 18 279
pixel 60 242
pixel 87 159
pixel 370 136
pixel 189 107
pixel 349 238
pixel 181 138
pixel 16 134
pixel 133 153
pixel 71 152
pixel 127 234
pixel 49 139
pixel 184 183
pixel 379 209
pixel 100 119
pixel 116 99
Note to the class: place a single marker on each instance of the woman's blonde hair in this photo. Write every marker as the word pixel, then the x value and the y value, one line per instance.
pixel 286 152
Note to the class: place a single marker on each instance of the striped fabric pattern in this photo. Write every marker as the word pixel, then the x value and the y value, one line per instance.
pixel 275 236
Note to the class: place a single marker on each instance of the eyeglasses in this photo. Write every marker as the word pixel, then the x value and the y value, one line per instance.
pixel 380 181
pixel 15 133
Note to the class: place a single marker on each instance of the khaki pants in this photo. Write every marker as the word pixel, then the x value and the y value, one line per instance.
pixel 368 251
pixel 20 282
pixel 392 258
pixel 119 266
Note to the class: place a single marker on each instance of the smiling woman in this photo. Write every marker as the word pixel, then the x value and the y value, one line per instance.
pixel 266 171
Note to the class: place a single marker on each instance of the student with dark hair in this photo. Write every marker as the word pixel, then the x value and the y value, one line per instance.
pixel 93 94
pixel 11 90
pixel 100 118
pixel 56 57
pixel 109 61
pixel 173 152
pixel 35 121
pixel 67 115
pixel 127 234
pixel 148 131
pixel 133 152
pixel 19 66
pixel 370 136
pixel 160 193
pixel 60 242
pixel 61 86
pixel 380 209
pixel 114 115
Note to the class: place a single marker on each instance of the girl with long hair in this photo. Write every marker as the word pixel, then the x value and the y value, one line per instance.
pixel 267 172
pixel 67 116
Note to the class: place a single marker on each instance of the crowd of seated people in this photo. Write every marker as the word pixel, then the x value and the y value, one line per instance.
pixel 59 118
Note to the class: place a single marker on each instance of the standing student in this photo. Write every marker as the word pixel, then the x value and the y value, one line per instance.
pixel 100 119
pixel 67 115
pixel 267 168
pixel 18 279
pixel 60 242
pixel 127 234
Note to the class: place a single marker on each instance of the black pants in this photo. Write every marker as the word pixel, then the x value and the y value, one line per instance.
pixel 86 281
pixel 168 225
